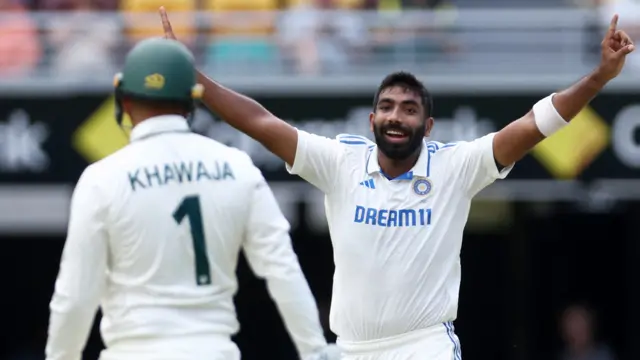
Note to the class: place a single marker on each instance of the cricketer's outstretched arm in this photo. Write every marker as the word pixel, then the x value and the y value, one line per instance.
pixel 515 140
pixel 245 114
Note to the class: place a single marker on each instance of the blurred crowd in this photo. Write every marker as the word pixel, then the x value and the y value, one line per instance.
pixel 82 37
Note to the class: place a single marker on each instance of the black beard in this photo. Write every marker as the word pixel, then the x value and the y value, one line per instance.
pixel 399 151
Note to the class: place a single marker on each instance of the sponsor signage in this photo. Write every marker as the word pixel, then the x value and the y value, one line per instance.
pixel 47 141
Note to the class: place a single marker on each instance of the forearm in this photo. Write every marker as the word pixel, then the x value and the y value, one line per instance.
pixel 69 328
pixel 514 141
pixel 299 311
pixel 251 118
pixel 571 101
pixel 239 111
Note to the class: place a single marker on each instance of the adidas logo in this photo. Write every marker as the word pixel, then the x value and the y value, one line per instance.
pixel 368 183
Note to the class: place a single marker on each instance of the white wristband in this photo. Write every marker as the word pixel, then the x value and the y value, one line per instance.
pixel 547 118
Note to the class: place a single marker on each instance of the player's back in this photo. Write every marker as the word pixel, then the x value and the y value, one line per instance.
pixel 177 202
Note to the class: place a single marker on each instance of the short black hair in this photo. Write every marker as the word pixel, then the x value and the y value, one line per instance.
pixel 409 82
pixel 168 105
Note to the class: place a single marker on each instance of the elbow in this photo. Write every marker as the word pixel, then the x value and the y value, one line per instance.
pixel 286 270
pixel 72 304
pixel 257 126
pixel 287 287
pixel 269 121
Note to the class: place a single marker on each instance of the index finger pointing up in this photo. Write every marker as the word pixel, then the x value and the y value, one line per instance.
pixel 612 26
pixel 168 31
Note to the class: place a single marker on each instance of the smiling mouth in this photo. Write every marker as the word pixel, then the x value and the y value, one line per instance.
pixel 396 135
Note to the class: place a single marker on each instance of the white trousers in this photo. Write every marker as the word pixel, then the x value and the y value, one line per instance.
pixel 210 347
pixel 435 343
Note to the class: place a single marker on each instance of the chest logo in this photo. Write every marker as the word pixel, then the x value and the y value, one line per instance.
pixel 422 186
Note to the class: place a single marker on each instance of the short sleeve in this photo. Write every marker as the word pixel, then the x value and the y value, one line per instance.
pixel 317 160
pixel 478 168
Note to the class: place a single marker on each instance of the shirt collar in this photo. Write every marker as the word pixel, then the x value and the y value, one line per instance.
pixel 159 124
pixel 419 169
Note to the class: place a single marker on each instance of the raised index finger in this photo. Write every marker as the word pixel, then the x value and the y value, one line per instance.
pixel 166 25
pixel 612 26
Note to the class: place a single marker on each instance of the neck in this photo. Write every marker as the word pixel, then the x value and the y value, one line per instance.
pixel 394 168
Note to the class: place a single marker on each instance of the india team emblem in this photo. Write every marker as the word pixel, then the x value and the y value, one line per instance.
pixel 422 186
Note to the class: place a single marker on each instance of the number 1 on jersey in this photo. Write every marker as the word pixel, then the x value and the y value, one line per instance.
pixel 190 207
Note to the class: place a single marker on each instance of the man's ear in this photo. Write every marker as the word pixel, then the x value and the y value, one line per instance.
pixel 429 126
pixel 372 117
pixel 126 104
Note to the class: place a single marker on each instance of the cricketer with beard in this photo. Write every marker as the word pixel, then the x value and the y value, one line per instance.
pixel 397 208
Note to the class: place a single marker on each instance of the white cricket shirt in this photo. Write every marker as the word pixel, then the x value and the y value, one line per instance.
pixel 396 242
pixel 154 236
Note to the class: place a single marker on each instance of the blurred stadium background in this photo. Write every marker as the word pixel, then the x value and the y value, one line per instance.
pixel 561 232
